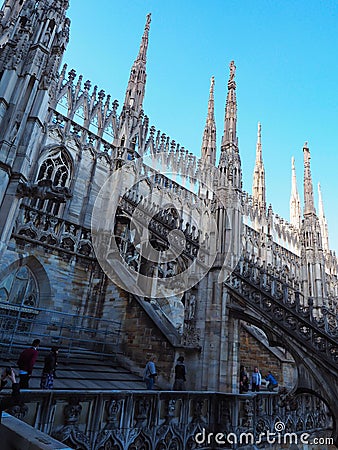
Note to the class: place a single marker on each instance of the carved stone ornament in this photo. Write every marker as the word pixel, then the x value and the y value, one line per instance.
pixel 111 436
pixel 70 434
pixel 44 190
pixel 142 409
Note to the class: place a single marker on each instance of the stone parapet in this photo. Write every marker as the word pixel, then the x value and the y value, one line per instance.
pixel 132 419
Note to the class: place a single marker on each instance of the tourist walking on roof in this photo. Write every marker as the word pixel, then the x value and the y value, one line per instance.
pixel 256 380
pixel 180 375
pixel 150 372
pixel 26 363
pixel 48 371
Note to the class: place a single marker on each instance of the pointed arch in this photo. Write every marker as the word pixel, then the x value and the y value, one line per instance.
pixel 55 166
pixel 141 442
pixel 24 286
pixel 32 275
pixel 169 440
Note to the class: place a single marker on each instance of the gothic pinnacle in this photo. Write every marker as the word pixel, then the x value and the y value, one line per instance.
pixel 137 80
pixel 230 120
pixel 323 221
pixel 145 39
pixel 258 186
pixel 208 152
pixel 211 98
pixel 259 144
pixel 320 202
pixel 295 209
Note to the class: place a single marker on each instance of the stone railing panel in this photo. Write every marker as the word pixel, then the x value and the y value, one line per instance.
pixel 159 419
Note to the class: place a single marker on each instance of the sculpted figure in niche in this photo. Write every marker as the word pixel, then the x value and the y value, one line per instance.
pixel 191 307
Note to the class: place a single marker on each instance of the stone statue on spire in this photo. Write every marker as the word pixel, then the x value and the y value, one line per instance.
pixel 232 71
pixel 232 82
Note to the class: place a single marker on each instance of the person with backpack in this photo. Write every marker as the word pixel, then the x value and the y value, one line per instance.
pixel 26 363
pixel 150 372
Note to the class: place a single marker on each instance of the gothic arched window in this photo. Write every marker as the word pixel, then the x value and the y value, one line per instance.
pixel 19 288
pixel 56 167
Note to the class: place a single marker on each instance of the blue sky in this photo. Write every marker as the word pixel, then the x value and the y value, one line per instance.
pixel 287 72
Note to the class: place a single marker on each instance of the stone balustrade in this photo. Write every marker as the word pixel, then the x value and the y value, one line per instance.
pixel 169 419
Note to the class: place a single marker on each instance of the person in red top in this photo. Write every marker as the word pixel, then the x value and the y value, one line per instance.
pixel 26 363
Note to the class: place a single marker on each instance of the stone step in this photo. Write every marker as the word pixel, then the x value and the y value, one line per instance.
pixel 82 372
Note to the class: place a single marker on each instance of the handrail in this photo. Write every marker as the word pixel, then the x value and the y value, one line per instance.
pixel 25 323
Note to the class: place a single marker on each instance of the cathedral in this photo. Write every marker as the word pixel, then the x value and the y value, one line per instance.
pixel 111 228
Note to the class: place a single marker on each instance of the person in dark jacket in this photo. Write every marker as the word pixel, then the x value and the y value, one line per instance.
pixel 48 371
pixel 180 375
pixel 26 363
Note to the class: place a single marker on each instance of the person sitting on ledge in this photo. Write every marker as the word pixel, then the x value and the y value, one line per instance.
pixel 272 381
pixel 15 400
